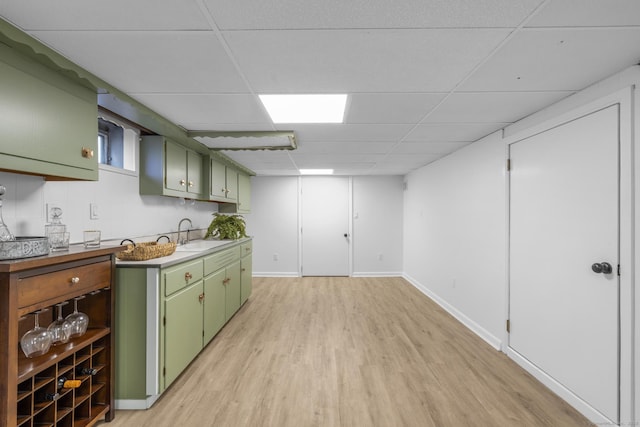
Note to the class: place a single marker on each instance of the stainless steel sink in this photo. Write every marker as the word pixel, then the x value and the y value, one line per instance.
pixel 201 245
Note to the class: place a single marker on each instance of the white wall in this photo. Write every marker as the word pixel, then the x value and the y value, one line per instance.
pixel 377 231
pixel 122 211
pixel 454 234
pixel 274 224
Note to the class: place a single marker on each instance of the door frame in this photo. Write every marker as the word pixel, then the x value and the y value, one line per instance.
pixel 626 394
pixel 349 225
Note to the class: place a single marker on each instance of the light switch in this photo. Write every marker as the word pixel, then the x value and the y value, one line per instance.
pixel 93 211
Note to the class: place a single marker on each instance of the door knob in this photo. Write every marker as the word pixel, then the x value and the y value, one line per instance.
pixel 604 268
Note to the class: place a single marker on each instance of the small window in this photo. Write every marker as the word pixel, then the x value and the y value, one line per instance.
pixel 117 144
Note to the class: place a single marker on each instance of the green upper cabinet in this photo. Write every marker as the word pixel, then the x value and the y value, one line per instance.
pixel 243 198
pixel 169 169
pixel 222 182
pixel 48 123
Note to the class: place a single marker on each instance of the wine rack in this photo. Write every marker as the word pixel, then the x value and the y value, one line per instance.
pixel 42 402
pixel 36 394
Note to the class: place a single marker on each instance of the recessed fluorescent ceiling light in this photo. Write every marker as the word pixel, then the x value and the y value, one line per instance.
pixel 305 108
pixel 316 171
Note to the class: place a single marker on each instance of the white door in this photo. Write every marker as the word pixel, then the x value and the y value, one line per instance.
pixel 325 226
pixel 564 211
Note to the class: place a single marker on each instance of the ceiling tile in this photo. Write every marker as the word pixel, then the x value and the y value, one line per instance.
pixel 557 59
pixel 411 160
pixel 590 13
pixel 151 62
pixel 306 147
pixel 428 147
pixel 390 107
pixel 321 161
pixel 359 60
pixel 207 110
pixel 112 15
pixel 457 132
pixel 283 14
pixel 492 106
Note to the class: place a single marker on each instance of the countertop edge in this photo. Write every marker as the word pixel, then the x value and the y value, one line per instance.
pixel 75 252
pixel 179 257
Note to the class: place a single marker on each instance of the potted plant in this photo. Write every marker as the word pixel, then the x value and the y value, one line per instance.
pixel 226 227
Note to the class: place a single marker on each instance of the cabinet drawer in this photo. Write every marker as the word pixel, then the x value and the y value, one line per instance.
pixel 181 276
pixel 63 284
pixel 220 259
pixel 246 248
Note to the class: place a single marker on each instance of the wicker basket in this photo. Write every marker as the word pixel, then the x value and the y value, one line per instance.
pixel 145 250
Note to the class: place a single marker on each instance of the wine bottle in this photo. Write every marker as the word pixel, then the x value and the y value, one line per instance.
pixel 63 382
pixel 46 396
pixel 86 371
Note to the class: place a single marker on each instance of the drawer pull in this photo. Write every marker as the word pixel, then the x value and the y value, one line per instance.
pixel 200 297
pixel 182 182
pixel 244 269
pixel 225 281
pixel 190 183
pixel 75 280
pixel 188 276
pixel 247 249
pixel 87 153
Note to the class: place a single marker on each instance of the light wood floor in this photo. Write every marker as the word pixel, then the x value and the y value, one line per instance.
pixel 350 352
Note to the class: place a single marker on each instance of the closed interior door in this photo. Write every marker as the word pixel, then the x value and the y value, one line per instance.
pixel 564 216
pixel 325 226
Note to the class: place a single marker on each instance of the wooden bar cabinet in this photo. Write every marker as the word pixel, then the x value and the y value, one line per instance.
pixel 30 391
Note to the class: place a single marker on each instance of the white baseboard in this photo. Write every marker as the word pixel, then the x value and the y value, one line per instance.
pixel 275 274
pixel 581 406
pixel 491 339
pixel 377 274
pixel 136 404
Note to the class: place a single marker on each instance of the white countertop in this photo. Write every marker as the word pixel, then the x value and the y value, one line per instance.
pixel 186 252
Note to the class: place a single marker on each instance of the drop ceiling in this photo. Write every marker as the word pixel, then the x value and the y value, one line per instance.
pixel 424 77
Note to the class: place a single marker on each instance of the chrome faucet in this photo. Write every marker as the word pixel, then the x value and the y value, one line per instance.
pixel 183 241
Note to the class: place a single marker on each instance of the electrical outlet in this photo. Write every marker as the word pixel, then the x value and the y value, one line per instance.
pixel 49 207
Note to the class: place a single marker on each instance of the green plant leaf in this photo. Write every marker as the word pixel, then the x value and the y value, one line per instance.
pixel 226 227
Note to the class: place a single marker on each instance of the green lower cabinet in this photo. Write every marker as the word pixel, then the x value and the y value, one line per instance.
pixel 246 278
pixel 232 289
pixel 166 315
pixel 214 302
pixel 182 330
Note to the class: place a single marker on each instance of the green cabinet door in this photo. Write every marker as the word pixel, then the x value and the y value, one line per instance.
pixel 48 124
pixel 194 173
pixel 232 289
pixel 175 167
pixel 214 302
pixel 232 184
pixel 217 180
pixel 245 278
pixel 182 331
